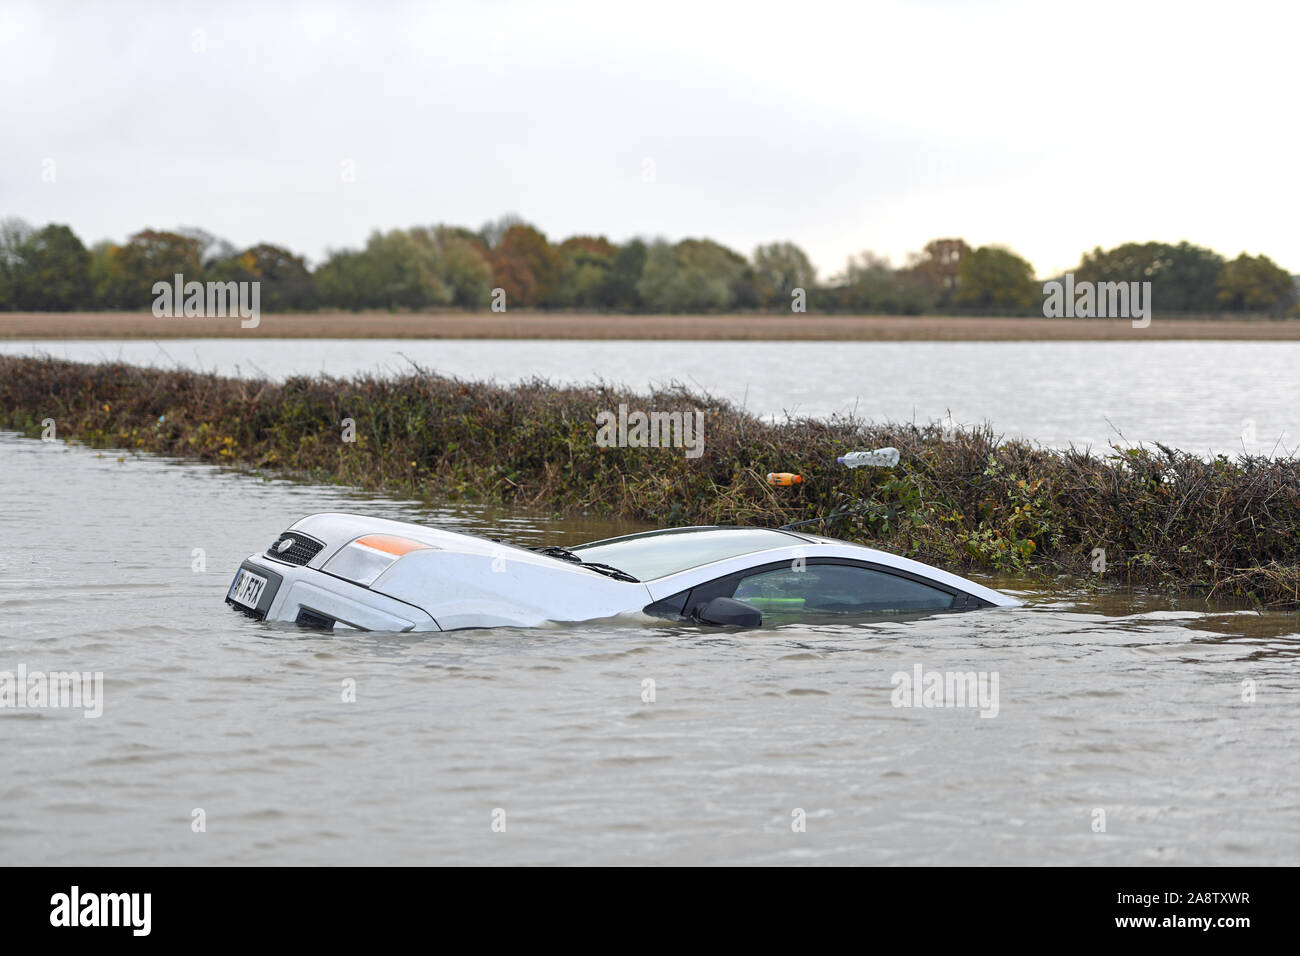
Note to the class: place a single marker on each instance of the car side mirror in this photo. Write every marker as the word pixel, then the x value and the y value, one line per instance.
pixel 728 612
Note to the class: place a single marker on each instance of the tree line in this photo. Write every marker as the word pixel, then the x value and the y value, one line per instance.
pixel 441 266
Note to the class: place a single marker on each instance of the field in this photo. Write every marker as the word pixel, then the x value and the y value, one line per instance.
pixel 570 325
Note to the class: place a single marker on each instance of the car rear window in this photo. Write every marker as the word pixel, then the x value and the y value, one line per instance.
pixel 659 553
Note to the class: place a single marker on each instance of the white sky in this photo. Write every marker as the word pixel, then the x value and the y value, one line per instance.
pixel 1048 127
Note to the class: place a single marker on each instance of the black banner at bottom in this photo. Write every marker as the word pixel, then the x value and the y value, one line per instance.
pixel 1226 906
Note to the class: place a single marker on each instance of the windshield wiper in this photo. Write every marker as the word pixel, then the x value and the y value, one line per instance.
pixel 564 554
pixel 555 551
pixel 609 570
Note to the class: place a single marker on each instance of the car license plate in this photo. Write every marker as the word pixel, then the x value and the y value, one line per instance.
pixel 247 589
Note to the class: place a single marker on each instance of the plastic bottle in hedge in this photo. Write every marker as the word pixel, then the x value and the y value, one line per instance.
pixel 880 458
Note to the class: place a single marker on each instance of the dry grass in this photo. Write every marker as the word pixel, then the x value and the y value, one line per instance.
pixel 568 325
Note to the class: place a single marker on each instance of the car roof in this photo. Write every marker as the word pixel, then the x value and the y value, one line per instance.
pixel 657 554
pixel 764 538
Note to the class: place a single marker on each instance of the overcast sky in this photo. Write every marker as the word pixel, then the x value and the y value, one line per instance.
pixel 1050 128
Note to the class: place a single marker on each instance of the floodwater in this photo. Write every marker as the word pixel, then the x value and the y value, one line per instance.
pixel 1202 397
pixel 1127 730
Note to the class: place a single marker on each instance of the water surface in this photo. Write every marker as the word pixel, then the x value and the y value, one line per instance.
pixel 1203 397
pixel 1123 703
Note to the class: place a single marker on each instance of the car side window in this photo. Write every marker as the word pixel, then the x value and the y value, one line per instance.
pixel 822 589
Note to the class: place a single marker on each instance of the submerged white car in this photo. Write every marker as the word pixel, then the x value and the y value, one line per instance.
pixel 337 571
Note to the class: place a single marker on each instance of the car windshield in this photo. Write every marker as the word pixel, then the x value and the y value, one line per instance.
pixel 659 553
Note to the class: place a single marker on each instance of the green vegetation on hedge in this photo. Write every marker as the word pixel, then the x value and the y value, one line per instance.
pixel 962 500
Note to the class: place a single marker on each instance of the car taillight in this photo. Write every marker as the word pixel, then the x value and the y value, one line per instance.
pixel 363 560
